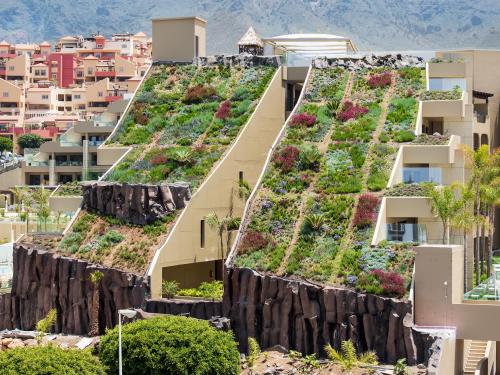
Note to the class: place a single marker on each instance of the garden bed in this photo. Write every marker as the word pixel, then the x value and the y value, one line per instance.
pixel 181 122
pixel 312 216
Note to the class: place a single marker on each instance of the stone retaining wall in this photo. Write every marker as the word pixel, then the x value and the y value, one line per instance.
pixel 305 317
pixel 245 60
pixel 196 309
pixel 43 280
pixel 394 61
pixel 138 204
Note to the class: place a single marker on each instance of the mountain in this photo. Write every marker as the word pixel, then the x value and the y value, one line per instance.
pixel 372 24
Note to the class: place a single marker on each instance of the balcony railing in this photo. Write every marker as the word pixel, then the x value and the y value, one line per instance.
pixel 412 175
pixel 35 163
pixel 69 163
pixel 487 291
pixel 95 143
pixel 70 144
pixel 404 232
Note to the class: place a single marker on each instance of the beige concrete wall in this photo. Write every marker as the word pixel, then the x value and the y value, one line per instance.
pixel 11 178
pixel 125 68
pixel 14 93
pixel 446 70
pixel 431 154
pixel 439 295
pixel 447 364
pixel 109 155
pixel 18 66
pixel 443 108
pixel 64 204
pixel 174 38
pixel 247 154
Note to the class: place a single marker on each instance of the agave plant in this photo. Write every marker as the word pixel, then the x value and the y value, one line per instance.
pixel 315 221
pixel 333 106
pixel 183 155
pixel 310 156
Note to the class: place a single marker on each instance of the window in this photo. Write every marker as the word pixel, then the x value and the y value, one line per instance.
pixel 484 139
pixel 241 176
pixel 476 141
pixel 100 94
pixel 90 71
pixel 202 233
pixel 447 83
pixel 5 94
pixel 121 69
pixel 77 96
pixel 142 73
pixel 124 46
pixel 45 97
pixel 11 68
pixel 54 76
pixel 196 46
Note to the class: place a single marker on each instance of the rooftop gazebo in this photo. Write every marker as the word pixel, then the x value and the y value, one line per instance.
pixel 251 43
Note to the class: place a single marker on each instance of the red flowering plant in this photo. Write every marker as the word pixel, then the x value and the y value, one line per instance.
pixel 379 80
pixel 366 210
pixel 286 158
pixel 253 240
pixel 303 119
pixel 392 283
pixel 351 111
pixel 224 110
pixel 158 159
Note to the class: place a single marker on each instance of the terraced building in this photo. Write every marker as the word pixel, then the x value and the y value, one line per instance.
pixel 310 191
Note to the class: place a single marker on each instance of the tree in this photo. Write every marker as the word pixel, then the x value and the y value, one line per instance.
pixel 445 206
pixel 490 195
pixel 171 345
pixel 20 194
pixel 30 141
pixel 482 167
pixel 40 198
pixel 5 144
pixel 95 279
pixel 464 220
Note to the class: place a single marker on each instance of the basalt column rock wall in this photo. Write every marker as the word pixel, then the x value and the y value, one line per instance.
pixel 43 280
pixel 138 204
pixel 305 317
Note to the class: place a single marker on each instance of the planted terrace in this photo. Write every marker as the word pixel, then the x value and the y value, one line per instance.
pixel 182 121
pixel 313 215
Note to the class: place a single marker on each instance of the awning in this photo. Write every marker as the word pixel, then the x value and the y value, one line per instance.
pixel 312 45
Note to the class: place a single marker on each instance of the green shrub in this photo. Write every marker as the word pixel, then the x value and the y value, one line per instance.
pixel 171 345
pixel 169 288
pixel 49 360
pixel 30 141
pixel 210 290
pixel 404 136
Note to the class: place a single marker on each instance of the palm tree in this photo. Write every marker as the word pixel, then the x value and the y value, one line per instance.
pixel 95 279
pixel 490 194
pixel 41 200
pixel 223 225
pixel 445 206
pixel 464 220
pixel 478 162
pixel 19 194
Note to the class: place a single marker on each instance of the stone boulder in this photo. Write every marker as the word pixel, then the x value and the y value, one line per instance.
pixel 393 61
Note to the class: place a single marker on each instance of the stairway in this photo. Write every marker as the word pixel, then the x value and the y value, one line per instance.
pixel 475 352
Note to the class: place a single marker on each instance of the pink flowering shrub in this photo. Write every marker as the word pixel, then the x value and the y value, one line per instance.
pixel 303 119
pixel 224 110
pixel 286 158
pixel 351 111
pixel 392 283
pixel 366 211
pixel 380 80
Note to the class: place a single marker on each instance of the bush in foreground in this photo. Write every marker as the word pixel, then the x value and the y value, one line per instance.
pixel 171 345
pixel 49 360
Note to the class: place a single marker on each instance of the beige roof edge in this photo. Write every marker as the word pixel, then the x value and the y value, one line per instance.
pixel 180 18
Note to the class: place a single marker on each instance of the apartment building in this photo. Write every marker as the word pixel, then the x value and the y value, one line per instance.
pixel 73 156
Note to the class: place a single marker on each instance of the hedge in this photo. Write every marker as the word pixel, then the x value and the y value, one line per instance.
pixel 49 360
pixel 173 345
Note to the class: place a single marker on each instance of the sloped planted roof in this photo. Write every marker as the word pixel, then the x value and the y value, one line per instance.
pixel 313 44
pixel 250 38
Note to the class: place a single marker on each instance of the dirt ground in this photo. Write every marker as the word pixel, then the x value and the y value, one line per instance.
pixel 277 362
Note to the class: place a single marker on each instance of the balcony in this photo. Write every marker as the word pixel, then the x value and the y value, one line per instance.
pixel 69 163
pixel 70 143
pixel 113 98
pixel 413 175
pixel 443 104
pixel 406 232
pixel 487 291
pixel 95 143
pixel 105 73
pixel 36 163
pixel 6 129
